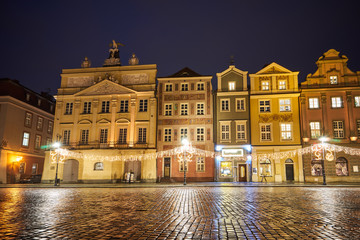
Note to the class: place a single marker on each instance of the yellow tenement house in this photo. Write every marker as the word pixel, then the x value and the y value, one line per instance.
pixel 106 118
pixel 275 127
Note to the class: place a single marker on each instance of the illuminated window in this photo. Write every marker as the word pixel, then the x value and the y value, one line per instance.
pixel 241 131
pixel 66 137
pixel 84 137
pixel 226 169
pixel 37 142
pixel 313 103
pixel 265 132
pixel 105 106
pixel 184 108
pixel 87 108
pixel 168 109
pixel 265 85
pixel 142 135
pixel 143 105
pixel 315 130
pixel 28 119
pixel 200 134
pixel 181 166
pixel 50 127
pixel 338 128
pixel 200 164
pixel 184 87
pixel 225 131
pixel 341 167
pixel 99 166
pixel 26 139
pixel 183 133
pixel 265 167
pixel 285 105
pixel 225 105
pixel 336 102
pixel 103 135
pixel 200 86
pixel 240 104
pixel 282 85
pixel 167 135
pixel 68 108
pixel 231 86
pixel 124 106
pixel 333 80
pixel 357 101
pixel 34 169
pixel 200 109
pixel 168 87
pixel 39 124
pixel 316 168
pixel 122 135
pixel 286 131
pixel 264 106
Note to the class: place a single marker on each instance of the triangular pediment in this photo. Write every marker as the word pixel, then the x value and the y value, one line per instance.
pixel 273 68
pixel 232 70
pixel 105 87
pixel 104 121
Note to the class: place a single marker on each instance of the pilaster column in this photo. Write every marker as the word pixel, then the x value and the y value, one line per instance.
pixel 152 125
pixel 132 121
pixel 350 120
pixel 324 114
pixel 113 118
pixel 76 115
pixel 304 122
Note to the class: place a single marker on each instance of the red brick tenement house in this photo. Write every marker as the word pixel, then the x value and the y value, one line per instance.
pixel 330 108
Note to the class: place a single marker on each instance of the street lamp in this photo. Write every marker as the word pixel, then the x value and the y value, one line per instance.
pixel 323 139
pixel 57 146
pixel 185 145
pixel 17 159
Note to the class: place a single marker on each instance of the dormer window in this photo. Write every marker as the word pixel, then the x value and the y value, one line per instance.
pixel 39 102
pixel 282 85
pixel 265 85
pixel 231 86
pixel 333 80
pixel 28 97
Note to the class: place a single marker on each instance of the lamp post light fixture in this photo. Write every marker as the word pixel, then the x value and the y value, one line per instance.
pixel 57 146
pixel 323 139
pixel 185 146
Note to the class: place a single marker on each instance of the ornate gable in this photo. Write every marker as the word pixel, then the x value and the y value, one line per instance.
pixel 105 87
pixel 273 68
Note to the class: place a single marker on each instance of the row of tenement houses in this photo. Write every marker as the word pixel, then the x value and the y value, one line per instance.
pixel 114 120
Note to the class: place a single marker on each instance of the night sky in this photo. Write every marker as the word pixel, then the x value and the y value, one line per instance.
pixel 40 38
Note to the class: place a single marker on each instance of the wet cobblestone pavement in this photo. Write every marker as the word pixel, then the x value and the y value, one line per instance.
pixel 180 213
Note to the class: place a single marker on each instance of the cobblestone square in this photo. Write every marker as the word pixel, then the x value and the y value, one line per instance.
pixel 180 213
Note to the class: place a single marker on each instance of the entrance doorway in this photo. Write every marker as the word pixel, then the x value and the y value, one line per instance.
pixel 167 167
pixel 242 173
pixel 289 169
pixel 71 171
pixel 134 167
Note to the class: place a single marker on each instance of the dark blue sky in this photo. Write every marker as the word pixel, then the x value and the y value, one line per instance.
pixel 39 38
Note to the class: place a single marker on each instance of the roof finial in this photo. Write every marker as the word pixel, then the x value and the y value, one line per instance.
pixel 232 62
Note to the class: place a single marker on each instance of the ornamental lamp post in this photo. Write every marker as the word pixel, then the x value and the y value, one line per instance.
pixel 323 139
pixel 57 146
pixel 185 145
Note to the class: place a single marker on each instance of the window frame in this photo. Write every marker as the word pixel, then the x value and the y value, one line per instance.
pixel 200 164
pixel 104 135
pixel 124 106
pixel 279 85
pixel 338 130
pixel 50 127
pixel 122 138
pixel 332 78
pixel 232 85
pixel 225 132
pixel 237 100
pixel 270 132
pixel 84 136
pixel 241 123
pixel 265 105
pixel 39 123
pixel 315 130
pixel 168 109
pixel 170 85
pixel 185 110
pixel 336 102
pixel 28 121
pixel 286 124
pixel 143 105
pixel 142 135
pixel 200 111
pixel 28 139
pixel 99 166
pixel 69 106
pixel 222 105
pixel 184 135
pixel 265 87
pixel 285 105
pixel 37 144
pixel 200 135
pixel 183 88
pixel 167 135
pixel 87 107
pixel 200 84
pixel 311 104
pixel 356 101
pixel 66 137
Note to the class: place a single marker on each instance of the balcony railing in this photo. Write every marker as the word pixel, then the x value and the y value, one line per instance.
pixel 347 84
pixel 107 145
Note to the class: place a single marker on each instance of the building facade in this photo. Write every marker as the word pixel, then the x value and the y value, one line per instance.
pixel 26 125
pixel 232 127
pixel 330 108
pixel 275 125
pixel 106 118
pixel 185 112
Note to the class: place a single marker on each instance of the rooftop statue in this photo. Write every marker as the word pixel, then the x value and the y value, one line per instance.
pixel 114 55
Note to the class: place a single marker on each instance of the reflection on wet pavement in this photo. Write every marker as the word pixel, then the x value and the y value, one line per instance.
pixel 180 213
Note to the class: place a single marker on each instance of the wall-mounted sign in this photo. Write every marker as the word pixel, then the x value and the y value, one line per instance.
pixel 232 152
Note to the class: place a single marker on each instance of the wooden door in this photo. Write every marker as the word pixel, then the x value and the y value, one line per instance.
pixel 242 173
pixel 289 172
pixel 167 167
pixel 71 171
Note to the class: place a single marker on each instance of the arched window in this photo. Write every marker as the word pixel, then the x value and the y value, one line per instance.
pixel 289 160
pixel 99 166
pixel 316 168
pixel 341 167
pixel 265 167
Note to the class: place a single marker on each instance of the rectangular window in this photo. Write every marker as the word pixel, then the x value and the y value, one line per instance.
pixel 181 166
pixel 265 85
pixel 200 107
pixel 87 108
pixel 225 131
pixel 48 143
pixel 122 135
pixel 184 87
pixel 265 132
pixel 285 105
pixel 264 106
pixel 358 127
pixel 200 134
pixel 50 127
pixel 26 139
pixel 315 130
pixel 286 131
pixel 28 119
pixel 200 87
pixel 37 142
pixel 22 168
pixel 226 169
pixel 168 110
pixel 240 104
pixel 333 80
pixel 282 85
pixel 167 135
pixel 336 102
pixel 124 106
pixel 314 103
pixel 84 138
pixel 142 135
pixel 200 164
pixel 241 131
pixel 68 108
pixel 231 86
pixel 357 101
pixel 168 87
pixel 34 169
pixel 225 105
pixel 184 108
pixel 338 127
pixel 105 106
pixel 39 124
pixel 143 105
pixel 66 137
pixel 103 135
pixel 183 133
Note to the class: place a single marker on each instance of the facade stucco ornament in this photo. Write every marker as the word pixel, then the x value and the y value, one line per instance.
pixel 133 60
pixel 323 98
pixel 302 99
pixel 114 55
pixel 266 118
pixel 348 97
pixel 86 63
